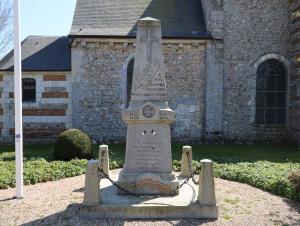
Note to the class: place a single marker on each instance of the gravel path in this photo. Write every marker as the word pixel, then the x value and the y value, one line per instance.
pixel 47 204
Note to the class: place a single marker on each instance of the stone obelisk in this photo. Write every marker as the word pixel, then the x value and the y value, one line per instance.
pixel 148 163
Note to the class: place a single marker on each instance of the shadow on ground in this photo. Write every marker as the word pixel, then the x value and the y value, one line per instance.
pixel 294 208
pixel 80 190
pixel 7 199
pixel 71 217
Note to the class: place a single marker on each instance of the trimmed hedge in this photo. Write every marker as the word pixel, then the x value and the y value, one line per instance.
pixel 268 176
pixel 71 144
pixel 40 170
pixel 37 171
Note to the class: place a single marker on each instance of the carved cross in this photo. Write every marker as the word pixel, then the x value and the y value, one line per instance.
pixel 149 41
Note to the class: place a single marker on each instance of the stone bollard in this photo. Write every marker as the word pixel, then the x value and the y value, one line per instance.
pixel 91 189
pixel 186 162
pixel 206 193
pixel 104 158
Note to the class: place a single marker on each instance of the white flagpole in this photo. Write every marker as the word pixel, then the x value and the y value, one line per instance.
pixel 18 101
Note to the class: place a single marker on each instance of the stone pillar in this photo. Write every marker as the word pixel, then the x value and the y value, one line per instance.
pixel 148 159
pixel 214 92
pixel 186 161
pixel 91 189
pixel 206 193
pixel 104 158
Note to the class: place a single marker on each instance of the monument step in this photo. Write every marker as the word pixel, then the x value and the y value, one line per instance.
pixel 183 205
pixel 159 211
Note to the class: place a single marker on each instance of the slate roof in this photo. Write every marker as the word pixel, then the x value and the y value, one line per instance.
pixel 41 54
pixel 180 18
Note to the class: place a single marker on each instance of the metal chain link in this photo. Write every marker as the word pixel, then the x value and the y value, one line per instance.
pixel 102 175
pixel 114 183
pixel 191 169
pixel 100 169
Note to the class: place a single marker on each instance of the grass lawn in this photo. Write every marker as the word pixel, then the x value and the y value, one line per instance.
pixel 263 166
pixel 219 153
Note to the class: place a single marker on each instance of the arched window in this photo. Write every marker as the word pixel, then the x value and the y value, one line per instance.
pixel 271 93
pixel 129 79
pixel 29 89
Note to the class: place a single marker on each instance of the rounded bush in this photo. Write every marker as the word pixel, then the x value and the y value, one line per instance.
pixel 71 144
pixel 294 177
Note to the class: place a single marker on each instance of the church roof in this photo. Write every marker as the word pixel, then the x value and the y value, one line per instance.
pixel 41 54
pixel 180 18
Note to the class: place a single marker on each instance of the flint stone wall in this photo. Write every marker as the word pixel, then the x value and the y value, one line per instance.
pixel 294 113
pixel 252 29
pixel 214 17
pixel 99 84
pixel 221 105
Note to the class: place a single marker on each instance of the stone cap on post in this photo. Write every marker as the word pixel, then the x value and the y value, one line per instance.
pixel 103 147
pixel 186 148
pixel 207 161
pixel 148 22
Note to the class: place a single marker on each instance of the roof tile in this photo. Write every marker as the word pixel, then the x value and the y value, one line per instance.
pixel 41 54
pixel 180 18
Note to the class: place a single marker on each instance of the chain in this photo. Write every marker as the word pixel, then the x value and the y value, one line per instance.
pixel 101 165
pixel 191 169
pixel 102 174
pixel 193 179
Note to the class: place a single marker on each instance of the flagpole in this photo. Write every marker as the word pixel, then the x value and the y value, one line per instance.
pixel 18 101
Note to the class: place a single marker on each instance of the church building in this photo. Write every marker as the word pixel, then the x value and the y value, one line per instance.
pixel 232 71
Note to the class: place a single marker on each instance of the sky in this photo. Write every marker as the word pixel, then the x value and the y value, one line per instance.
pixel 46 17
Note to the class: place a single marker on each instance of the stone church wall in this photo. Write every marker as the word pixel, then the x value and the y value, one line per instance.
pixel 252 30
pixel 99 86
pixel 214 17
pixel 295 72
pixel 44 118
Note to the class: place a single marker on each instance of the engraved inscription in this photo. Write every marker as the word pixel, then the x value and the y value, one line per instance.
pixel 148 111
pixel 148 156
pixel 163 116
pixel 150 82
pixel 133 116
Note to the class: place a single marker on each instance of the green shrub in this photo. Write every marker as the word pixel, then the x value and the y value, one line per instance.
pixel 295 179
pixel 72 144
pixel 39 170
pixel 269 176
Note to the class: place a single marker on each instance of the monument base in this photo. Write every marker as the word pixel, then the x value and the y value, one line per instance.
pixel 192 211
pixel 183 205
pixel 149 184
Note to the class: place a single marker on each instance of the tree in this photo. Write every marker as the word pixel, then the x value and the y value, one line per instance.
pixel 6 30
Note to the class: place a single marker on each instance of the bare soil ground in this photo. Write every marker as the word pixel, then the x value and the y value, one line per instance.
pixel 48 204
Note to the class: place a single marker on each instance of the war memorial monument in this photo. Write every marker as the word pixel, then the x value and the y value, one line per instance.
pixel 146 187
